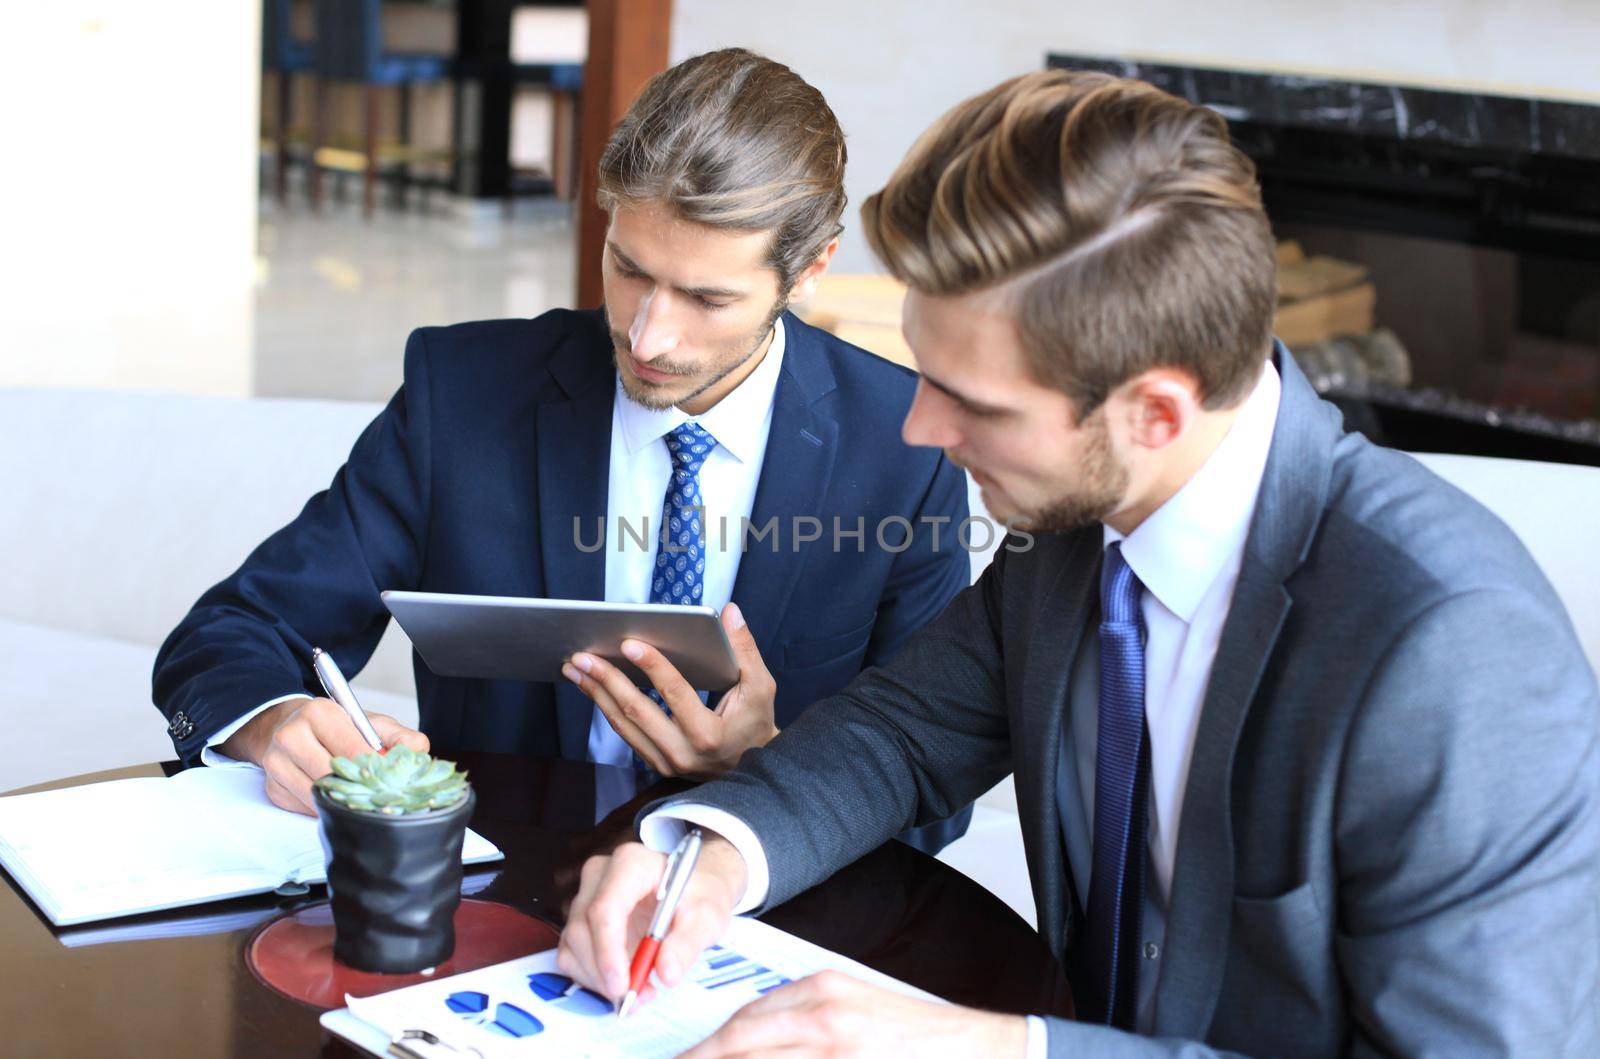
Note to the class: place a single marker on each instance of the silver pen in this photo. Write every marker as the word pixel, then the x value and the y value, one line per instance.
pixel 674 880
pixel 338 690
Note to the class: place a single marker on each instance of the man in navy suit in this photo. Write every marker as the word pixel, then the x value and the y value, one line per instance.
pixel 522 458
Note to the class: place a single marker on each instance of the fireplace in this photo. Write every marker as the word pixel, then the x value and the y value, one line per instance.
pixel 1466 229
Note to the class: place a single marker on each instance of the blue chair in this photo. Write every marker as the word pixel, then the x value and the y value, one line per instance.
pixel 349 48
pixel 286 56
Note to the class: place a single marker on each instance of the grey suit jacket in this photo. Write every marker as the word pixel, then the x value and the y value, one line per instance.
pixel 1391 835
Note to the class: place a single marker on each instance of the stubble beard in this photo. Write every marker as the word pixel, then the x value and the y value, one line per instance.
pixel 1104 485
pixel 652 397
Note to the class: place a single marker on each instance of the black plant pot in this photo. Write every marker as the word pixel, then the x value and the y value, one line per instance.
pixel 395 882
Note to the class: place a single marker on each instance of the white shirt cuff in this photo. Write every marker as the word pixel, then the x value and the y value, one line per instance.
pixel 662 830
pixel 1038 1038
pixel 216 759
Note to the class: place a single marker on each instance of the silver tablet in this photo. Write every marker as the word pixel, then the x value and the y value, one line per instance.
pixel 511 638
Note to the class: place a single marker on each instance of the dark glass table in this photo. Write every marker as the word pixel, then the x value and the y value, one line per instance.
pixel 177 983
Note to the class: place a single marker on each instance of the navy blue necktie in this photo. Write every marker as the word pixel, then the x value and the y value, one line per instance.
pixel 1121 793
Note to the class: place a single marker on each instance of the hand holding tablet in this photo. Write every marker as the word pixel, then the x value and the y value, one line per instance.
pixel 512 638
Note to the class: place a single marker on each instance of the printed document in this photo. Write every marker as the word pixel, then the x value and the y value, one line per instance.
pixel 526 1007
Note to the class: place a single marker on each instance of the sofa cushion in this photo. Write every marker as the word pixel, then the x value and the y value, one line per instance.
pixel 122 507
pixel 1551 507
pixel 76 703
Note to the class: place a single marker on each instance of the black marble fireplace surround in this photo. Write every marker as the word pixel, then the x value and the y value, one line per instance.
pixel 1479 217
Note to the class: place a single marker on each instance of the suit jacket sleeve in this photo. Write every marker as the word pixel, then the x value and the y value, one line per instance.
pixel 315 582
pixel 905 743
pixel 934 566
pixel 1468 839
pixel 931 570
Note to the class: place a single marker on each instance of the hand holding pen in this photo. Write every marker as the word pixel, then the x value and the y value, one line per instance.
pixel 294 741
pixel 674 881
pixel 602 946
pixel 338 689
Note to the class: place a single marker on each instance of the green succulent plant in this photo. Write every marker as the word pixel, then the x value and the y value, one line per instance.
pixel 396 782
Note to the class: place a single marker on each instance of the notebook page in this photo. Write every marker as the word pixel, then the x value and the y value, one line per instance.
pixel 143 845
pixel 118 848
pixel 288 844
pixel 235 801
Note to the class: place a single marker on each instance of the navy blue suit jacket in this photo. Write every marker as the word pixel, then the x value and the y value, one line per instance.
pixel 470 481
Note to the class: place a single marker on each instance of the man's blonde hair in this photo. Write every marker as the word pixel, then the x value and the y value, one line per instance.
pixel 1120 226
pixel 733 140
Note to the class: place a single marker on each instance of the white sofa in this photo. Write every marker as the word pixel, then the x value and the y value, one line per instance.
pixel 121 508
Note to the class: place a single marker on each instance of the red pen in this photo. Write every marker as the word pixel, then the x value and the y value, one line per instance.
pixel 674 881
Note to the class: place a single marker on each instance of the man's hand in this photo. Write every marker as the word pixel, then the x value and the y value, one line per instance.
pixel 295 742
pixel 617 897
pixel 693 742
pixel 832 1014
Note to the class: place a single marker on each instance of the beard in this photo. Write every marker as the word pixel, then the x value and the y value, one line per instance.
pixel 1103 485
pixel 658 396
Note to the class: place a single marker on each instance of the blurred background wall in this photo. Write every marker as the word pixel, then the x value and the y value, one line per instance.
pixel 889 69
pixel 128 193
pixel 129 197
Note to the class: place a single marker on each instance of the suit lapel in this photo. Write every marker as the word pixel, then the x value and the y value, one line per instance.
pixel 795 470
pixel 574 461
pixel 1289 506
pixel 1056 629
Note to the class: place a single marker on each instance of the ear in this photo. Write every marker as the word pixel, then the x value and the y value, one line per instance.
pixel 1158 406
pixel 805 284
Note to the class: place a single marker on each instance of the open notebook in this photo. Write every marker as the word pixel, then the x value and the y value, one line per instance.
pixel 129 846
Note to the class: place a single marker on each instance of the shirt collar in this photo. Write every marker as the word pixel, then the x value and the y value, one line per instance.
pixel 737 421
pixel 1189 541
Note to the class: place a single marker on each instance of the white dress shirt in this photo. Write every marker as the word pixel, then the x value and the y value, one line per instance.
pixel 639 471
pixel 1187 554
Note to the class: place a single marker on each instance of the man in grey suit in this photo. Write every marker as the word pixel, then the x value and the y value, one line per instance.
pixel 1307 755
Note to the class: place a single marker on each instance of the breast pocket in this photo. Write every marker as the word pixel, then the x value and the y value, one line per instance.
pixel 803 654
pixel 1285 941
pixel 1281 913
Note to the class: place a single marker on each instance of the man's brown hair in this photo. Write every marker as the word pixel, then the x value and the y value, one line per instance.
pixel 1121 227
pixel 733 140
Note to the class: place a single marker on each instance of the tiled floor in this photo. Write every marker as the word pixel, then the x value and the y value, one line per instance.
pixel 337 296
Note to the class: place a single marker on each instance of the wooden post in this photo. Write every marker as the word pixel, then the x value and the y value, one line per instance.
pixel 563 125
pixel 627 46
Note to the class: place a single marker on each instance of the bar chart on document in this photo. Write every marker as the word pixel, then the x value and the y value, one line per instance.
pixel 526 1007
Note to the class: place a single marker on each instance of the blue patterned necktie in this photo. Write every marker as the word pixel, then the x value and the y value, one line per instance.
pixel 1121 794
pixel 681 553
pixel 679 574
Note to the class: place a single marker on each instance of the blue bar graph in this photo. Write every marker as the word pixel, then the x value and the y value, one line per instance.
pixel 723 967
